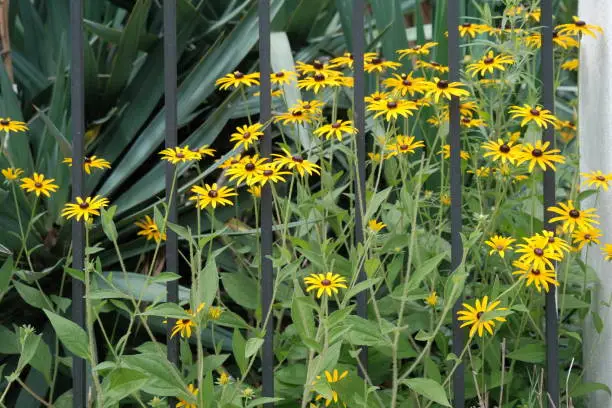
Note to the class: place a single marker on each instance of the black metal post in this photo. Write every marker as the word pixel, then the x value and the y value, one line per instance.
pixel 267 272
pixel 77 93
pixel 548 101
pixel 455 191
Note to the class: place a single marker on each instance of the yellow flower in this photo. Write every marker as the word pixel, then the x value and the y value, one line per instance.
pixel 434 66
pixel 237 79
pixel 296 162
pixel 327 284
pixel 248 170
pixel 376 63
pixel 477 316
pixel 38 184
pixel 255 190
pixel 375 157
pixel 539 277
pixel 392 108
pixel 499 244
pixel 211 195
pixel 313 107
pixel 331 377
pixel 537 253
pixel 500 150
pixel 375 225
pixel 540 155
pixel 377 97
pixel 224 378
pixel 214 312
pixel 472 29
pixel 538 115
pixel 294 116
pixel 555 243
pixel 345 60
pixel 572 217
pixel 317 67
pixel 11 173
pixel 89 163
pixel 403 145
pixel 282 77
pixel 193 391
pixel 271 172
pixel 149 229
pixel 202 151
pixel 336 129
pixel 417 50
pixel 445 152
pixel 320 81
pixel 442 88
pixel 489 63
pixel 564 41
pixel 432 299
pixel 89 207
pixel 596 178
pixel 403 84
pixel 445 199
pixel 580 28
pixel 470 122
pixel 248 393
pixel 586 237
pixel 247 135
pixel 571 65
pixel 607 252
pixel 178 154
pixel 9 125
pixel 184 327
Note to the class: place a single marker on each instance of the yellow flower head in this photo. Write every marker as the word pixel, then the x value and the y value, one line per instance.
pixel 580 28
pixel 282 77
pixel 321 81
pixel 376 63
pixel 294 116
pixel 489 63
pixel 178 154
pixel 499 244
pixel 595 178
pixel 38 184
pixel 536 276
pixel 237 79
pixel 84 208
pixel 470 29
pixel 11 173
pixel 417 50
pixel 337 129
pixel 271 172
pixel 403 84
pixel 540 155
pixel 346 60
pixel 607 252
pixel 500 150
pixel 296 162
pixel 441 88
pixel 445 152
pixel 224 378
pixel 536 114
pixel 248 170
pixel 331 378
pixel 433 66
pixel 150 230
pixel 214 312
pixel 537 253
pixel 375 225
pixel 211 195
pixel 182 403
pixel 9 125
pixel 476 316
pixel 586 237
pixel 92 162
pixel 571 65
pixel 317 67
pixel 572 218
pixel 432 299
pixel 392 108
pixel 403 145
pixel 327 284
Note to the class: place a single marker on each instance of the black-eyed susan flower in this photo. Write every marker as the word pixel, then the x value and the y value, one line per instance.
pixel 579 27
pixel 536 114
pixel 573 218
pixel 91 162
pixel 247 135
pixel 472 30
pixel 441 88
pixel 185 404
pixel 149 229
pixel 432 65
pixel 204 150
pixel 392 108
pixel 445 152
pixel 554 242
pixel 212 195
pixel 596 179
pixel 184 327
pixel 295 116
pixel 489 63
pixel 270 172
pixel 376 63
pixel 214 312
pixel 248 170
pixel 320 81
pixel 476 316
pixel 500 150
pixel 539 277
pixel 9 125
pixel 586 237
pixel 540 155
pixel 224 378
pixel 571 65
pixel 296 162
pixel 337 129
pixel 345 60
pixel 500 244
pixel 606 250
pixel 230 162
pixel 403 84
pixel 39 185
pixel 313 107
pixel 471 122
pixel 255 191
pixel 282 77
pixel 327 284
pixel 377 97
pixel 564 41
pixel 331 378
pixel 248 393
pixel 432 299
pixel 481 171
pixel 317 67
pixel 403 145
pixel 178 154
pixel 424 49
pixel 237 79
pixel 84 208
pixel 536 252
pixel 375 225
pixel 11 173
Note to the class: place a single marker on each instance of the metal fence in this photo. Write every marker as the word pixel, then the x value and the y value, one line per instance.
pixel 79 369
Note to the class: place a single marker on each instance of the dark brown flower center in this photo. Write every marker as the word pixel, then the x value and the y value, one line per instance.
pixel 212 193
pixel 246 135
pixel 406 82
pixel 587 237
pixel 538 251
pixel 307 106
pixel 38 185
pixel 551 240
pixel 435 64
pixel 479 315
pixel 318 65
pixel 537 153
pixel 180 155
pixel 488 60
pixel 574 213
pixel 336 125
pixel 600 178
pixel 84 205
pixel 391 105
pixel 535 272
pixel 325 282
pixel 500 247
pixel 376 61
pixel 88 160
pixel 555 34
pixel 280 74
pixel 535 112
pixel 238 75
pixel 297 113
pixel 249 167
pixel 268 172
pixel 404 147
pixel 442 84
pixel 319 77
pixel 297 159
pixel 580 23
pixel 466 120
pixel 466 25
pixel 504 148
pixel 5 122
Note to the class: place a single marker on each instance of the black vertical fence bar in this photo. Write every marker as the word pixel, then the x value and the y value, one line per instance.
pixel 267 272
pixel 77 94
pixel 170 80
pixel 455 191
pixel 358 34
pixel 548 101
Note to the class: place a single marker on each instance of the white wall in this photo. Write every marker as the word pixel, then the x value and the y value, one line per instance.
pixel 595 133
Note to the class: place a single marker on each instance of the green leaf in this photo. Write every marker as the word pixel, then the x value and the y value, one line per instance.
pixel 239 350
pixel 121 383
pixel 107 294
pixel 113 35
pixel 302 317
pixel 164 277
pixel 70 334
pixel 208 283
pixel 107 223
pixel 252 346
pixel 166 381
pixel 424 270
pixel 429 389
pixel 214 361
pixel 531 353
pixel 258 402
pixel 31 296
pixel 29 344
pixel 587 388
pixel 171 310
pixel 361 286
pixel 597 322
pixel 237 285
pixel 6 274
